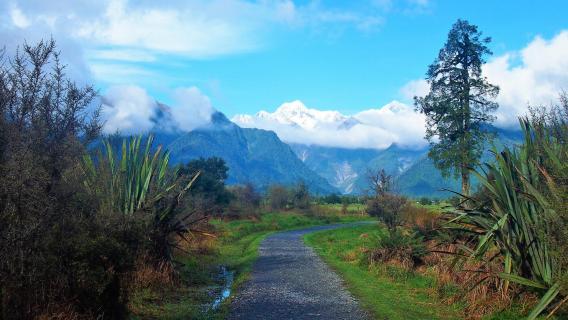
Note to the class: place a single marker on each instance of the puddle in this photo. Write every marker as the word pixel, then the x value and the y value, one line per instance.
pixel 225 278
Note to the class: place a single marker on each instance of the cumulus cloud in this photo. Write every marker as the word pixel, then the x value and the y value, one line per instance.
pixel 197 28
pixel 34 20
pixel 373 128
pixel 406 125
pixel 191 109
pixel 18 18
pixel 102 39
pixel 534 75
pixel 415 88
pixel 128 110
pixel 131 110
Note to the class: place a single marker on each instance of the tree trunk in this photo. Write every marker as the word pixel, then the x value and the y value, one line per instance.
pixel 465 180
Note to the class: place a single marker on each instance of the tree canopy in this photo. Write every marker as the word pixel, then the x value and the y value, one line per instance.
pixel 460 102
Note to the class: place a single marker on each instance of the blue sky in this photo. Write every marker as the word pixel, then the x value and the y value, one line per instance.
pixel 243 56
pixel 342 66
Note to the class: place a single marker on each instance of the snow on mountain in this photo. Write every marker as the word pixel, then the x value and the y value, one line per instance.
pixel 295 113
pixel 372 128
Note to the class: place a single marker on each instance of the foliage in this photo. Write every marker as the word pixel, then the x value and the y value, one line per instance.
pixel 334 198
pixel 208 194
pixel 459 103
pixel 138 181
pixel 331 199
pixel 301 196
pixel 388 208
pixel 550 134
pixel 245 200
pixel 132 181
pixel 407 249
pixel 278 197
pixel 517 219
pixel 57 249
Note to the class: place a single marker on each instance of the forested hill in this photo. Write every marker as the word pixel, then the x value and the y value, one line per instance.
pixel 252 155
pixel 414 173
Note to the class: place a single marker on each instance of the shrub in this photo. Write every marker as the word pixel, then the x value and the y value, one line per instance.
pixel 278 197
pixel 526 190
pixel 245 201
pixel 56 246
pixel 138 181
pixel 425 201
pixel 208 195
pixel 388 208
pixel 301 196
pixel 405 249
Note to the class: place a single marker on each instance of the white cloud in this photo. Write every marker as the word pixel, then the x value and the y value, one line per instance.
pixel 131 110
pixel 122 55
pixel 18 18
pixel 415 88
pixel 374 128
pixel 537 79
pixel 406 125
pixel 117 74
pixel 192 109
pixel 96 36
pixel 535 75
pixel 197 29
pixel 128 110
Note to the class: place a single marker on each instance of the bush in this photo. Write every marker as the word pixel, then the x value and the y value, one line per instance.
pixel 405 249
pixel 425 201
pixel 521 211
pixel 57 247
pixel 388 208
pixel 245 201
pixel 278 197
pixel 301 196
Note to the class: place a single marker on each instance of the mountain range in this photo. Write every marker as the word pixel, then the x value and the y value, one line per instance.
pixel 260 157
pixel 252 155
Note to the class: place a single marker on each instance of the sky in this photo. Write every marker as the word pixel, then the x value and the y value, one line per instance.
pixel 240 57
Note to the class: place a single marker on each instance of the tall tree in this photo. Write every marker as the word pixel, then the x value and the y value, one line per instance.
pixel 459 104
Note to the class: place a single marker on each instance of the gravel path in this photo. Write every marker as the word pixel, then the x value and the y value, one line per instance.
pixel 289 281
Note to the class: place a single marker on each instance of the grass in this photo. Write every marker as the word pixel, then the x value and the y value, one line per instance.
pixel 437 208
pixel 235 247
pixel 351 208
pixel 386 291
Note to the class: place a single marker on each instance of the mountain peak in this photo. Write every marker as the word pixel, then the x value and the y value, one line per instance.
pixel 297 114
pixel 293 107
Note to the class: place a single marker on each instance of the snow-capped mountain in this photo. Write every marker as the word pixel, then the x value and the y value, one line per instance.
pixel 296 114
pixel 377 128
pixel 341 148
